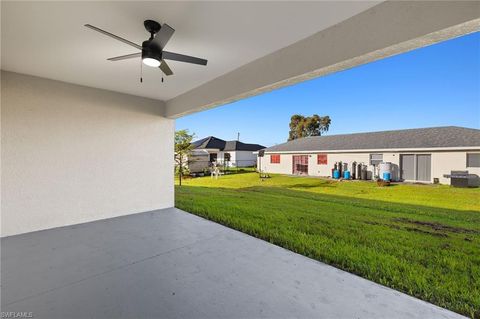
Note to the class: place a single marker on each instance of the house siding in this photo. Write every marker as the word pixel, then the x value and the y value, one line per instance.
pixel 442 162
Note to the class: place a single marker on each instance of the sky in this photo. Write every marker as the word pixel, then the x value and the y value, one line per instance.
pixel 438 85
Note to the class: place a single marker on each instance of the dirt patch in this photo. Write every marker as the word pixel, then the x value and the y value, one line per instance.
pixel 418 230
pixel 437 226
pixel 436 229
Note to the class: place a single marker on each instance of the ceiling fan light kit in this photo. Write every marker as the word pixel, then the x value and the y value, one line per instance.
pixel 152 50
pixel 151 62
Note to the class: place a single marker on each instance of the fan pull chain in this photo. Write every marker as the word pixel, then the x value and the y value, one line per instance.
pixel 162 79
pixel 141 71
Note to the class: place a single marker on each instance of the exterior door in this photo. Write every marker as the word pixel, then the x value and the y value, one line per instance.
pixel 407 167
pixel 300 164
pixel 424 167
pixel 416 167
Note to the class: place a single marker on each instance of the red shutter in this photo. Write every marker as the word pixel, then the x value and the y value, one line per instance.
pixel 275 158
pixel 322 159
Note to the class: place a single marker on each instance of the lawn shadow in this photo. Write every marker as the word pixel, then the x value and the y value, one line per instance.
pixel 233 171
pixel 388 205
pixel 426 214
pixel 304 185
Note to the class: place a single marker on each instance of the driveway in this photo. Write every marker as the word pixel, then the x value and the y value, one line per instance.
pixel 171 264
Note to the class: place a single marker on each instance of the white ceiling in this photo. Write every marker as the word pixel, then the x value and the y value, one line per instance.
pixel 48 39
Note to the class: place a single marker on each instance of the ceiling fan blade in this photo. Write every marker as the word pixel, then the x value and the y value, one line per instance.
pixel 116 37
pixel 126 56
pixel 165 68
pixel 163 35
pixel 183 58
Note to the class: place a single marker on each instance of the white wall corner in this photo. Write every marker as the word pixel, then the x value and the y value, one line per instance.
pixel 73 154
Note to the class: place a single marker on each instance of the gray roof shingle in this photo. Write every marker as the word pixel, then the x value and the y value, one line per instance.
pixel 209 142
pixel 212 142
pixel 239 146
pixel 434 137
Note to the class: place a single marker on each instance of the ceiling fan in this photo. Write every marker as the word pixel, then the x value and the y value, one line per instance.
pixel 152 52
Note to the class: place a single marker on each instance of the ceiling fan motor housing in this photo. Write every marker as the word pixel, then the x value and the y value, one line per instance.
pixel 152 51
pixel 152 26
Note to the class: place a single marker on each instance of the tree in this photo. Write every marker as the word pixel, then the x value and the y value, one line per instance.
pixel 303 126
pixel 296 127
pixel 183 147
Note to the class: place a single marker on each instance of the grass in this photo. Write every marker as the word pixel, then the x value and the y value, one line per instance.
pixel 423 240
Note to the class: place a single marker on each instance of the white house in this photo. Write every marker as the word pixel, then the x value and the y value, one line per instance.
pixel 229 153
pixel 417 155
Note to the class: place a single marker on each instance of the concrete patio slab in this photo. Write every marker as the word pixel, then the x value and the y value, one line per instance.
pixel 171 264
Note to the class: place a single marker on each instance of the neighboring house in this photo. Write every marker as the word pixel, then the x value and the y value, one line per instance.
pixel 417 155
pixel 229 153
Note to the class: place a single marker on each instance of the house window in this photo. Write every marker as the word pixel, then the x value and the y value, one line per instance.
pixel 213 157
pixel 275 158
pixel 376 159
pixel 322 159
pixel 226 157
pixel 473 159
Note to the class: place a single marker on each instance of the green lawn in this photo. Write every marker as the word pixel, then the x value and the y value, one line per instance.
pixel 420 239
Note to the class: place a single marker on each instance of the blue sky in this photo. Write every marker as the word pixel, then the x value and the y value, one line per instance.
pixel 433 86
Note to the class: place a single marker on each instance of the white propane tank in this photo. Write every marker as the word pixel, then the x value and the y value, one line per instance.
pixel 385 167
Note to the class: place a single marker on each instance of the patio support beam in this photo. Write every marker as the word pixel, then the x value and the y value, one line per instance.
pixel 390 28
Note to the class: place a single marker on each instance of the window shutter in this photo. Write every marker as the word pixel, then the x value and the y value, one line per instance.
pixel 322 159
pixel 275 158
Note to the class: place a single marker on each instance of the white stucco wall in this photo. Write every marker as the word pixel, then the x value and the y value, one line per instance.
pixel 442 162
pixel 326 170
pixel 284 167
pixel 72 154
pixel 314 169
